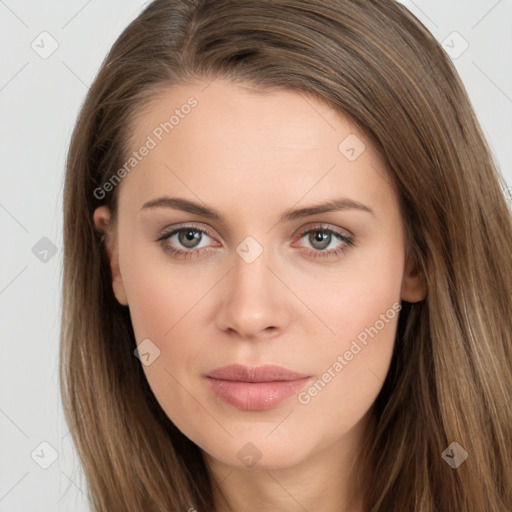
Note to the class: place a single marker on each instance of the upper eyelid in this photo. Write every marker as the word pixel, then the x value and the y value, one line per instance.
pixel 326 227
pixel 167 232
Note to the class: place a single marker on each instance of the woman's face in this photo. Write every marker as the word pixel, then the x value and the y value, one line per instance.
pixel 291 253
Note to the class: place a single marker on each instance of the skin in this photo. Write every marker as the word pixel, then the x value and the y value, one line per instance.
pixel 250 156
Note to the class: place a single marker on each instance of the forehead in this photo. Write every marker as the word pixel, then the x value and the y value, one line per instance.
pixel 224 138
pixel 226 109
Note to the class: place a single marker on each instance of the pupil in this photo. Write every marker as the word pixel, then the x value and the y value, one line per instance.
pixel 322 237
pixel 189 237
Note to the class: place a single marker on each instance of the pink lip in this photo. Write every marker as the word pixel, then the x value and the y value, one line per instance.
pixel 255 389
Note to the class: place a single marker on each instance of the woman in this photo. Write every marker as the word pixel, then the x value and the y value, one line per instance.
pixel 287 268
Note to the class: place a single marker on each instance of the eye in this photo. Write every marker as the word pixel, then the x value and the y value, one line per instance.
pixel 321 238
pixel 185 241
pixel 191 241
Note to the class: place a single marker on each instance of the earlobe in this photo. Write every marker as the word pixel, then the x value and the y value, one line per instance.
pixel 119 291
pixel 413 283
pixel 102 224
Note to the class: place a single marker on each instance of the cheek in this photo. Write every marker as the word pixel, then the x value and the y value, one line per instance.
pixel 161 309
pixel 353 296
pixel 160 293
pixel 362 306
pixel 162 300
pixel 154 304
pixel 352 371
pixel 165 311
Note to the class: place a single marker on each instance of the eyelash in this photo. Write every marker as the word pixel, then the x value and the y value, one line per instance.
pixel 196 253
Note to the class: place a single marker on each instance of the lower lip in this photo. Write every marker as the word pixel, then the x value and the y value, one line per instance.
pixel 255 396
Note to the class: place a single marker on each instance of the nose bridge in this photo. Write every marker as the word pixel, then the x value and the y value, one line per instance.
pixel 250 273
pixel 251 277
pixel 252 299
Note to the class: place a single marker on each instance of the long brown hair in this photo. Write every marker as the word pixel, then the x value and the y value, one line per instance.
pixel 450 378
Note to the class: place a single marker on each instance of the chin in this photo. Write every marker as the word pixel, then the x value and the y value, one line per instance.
pixel 256 452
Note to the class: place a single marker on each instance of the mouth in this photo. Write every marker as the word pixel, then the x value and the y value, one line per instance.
pixel 257 388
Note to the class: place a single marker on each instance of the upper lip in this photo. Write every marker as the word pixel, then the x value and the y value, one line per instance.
pixel 264 373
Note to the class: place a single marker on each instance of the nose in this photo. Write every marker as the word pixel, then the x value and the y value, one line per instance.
pixel 254 302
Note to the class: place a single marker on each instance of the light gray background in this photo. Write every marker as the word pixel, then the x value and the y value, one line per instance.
pixel 39 101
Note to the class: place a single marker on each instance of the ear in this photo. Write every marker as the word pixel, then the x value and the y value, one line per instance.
pixel 414 288
pixel 102 224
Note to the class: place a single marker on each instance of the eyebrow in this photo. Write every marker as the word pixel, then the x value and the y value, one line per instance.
pixel 177 203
